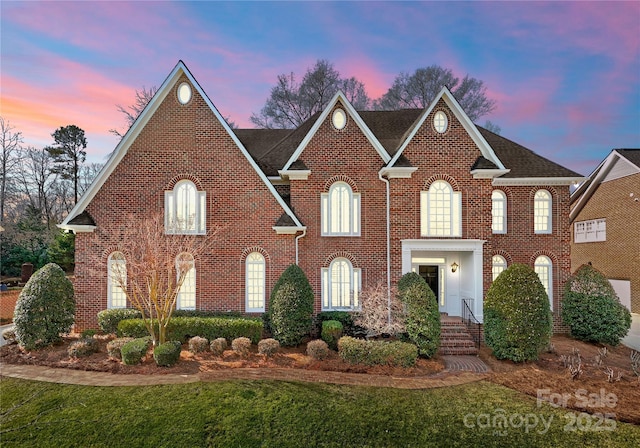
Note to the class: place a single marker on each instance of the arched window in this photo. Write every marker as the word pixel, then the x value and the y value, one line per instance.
pixel 186 267
pixel 498 212
pixel 185 209
pixel 116 281
pixel 255 282
pixel 340 286
pixel 542 206
pixel 498 264
pixel 440 211
pixel 543 268
pixel 340 211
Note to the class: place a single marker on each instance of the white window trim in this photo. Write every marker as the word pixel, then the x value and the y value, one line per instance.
pixel 581 234
pixel 502 202
pixel 548 265
pixel 549 212
pixel 327 210
pixel 171 211
pixel 355 282
pixel 248 264
pixel 114 287
pixel 502 263
pixel 180 299
pixel 455 228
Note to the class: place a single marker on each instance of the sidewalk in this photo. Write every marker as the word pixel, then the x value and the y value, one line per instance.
pixel 84 378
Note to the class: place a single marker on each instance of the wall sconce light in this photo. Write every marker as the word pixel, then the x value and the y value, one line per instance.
pixel 454 266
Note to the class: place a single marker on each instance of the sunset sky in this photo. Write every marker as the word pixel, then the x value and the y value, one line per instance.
pixel 565 75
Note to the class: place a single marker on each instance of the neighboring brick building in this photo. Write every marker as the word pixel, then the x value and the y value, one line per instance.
pixel 355 198
pixel 605 217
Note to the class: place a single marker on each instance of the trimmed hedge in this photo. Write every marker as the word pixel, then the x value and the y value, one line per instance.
pixel 331 333
pixel 371 353
pixel 114 347
pixel 241 346
pixel 133 351
pixel 167 354
pixel 198 344
pixel 422 321
pixel 592 310
pixel 108 320
pixel 291 307
pixel 218 346
pixel 349 328
pixel 83 347
pixel 317 349
pixel 183 328
pixel 517 315
pixel 268 347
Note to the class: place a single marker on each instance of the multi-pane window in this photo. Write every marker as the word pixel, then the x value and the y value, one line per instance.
pixel 186 268
pixel 340 211
pixel 440 211
pixel 498 264
pixel 255 282
pixel 340 286
pixel 185 209
pixel 542 212
pixel 498 212
pixel 116 281
pixel 590 231
pixel 543 266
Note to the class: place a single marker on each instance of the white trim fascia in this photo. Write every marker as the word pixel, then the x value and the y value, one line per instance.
pixel 398 172
pixel 351 112
pixel 77 228
pixel 277 180
pixel 444 245
pixel 536 181
pixel 141 121
pixel 288 230
pixel 488 174
pixel 463 118
pixel 598 175
pixel 294 174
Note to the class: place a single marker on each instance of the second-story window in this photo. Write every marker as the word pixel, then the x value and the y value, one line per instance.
pixel 440 211
pixel 542 206
pixel 340 211
pixel 184 209
pixel 498 212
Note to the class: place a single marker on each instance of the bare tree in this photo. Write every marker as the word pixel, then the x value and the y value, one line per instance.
pixel 491 126
pixel 132 112
pixel 374 313
pixel 9 159
pixel 418 90
pixel 155 267
pixel 88 173
pixel 291 103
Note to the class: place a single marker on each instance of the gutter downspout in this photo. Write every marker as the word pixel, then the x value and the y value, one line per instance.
pixel 304 232
pixel 386 181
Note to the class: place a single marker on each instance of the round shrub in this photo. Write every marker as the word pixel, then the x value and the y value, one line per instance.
pixel 592 310
pixel 268 347
pixel 114 347
pixel 198 345
pixel 167 354
pixel 133 351
pixel 517 315
pixel 422 316
pixel 83 347
pixel 218 346
pixel 291 307
pixel 108 320
pixel 241 346
pixel 331 333
pixel 318 349
pixel 9 335
pixel 45 308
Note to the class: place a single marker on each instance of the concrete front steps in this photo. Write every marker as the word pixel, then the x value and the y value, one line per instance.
pixel 455 338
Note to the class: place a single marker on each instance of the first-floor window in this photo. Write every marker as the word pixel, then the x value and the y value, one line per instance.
pixel 116 281
pixel 255 282
pixel 498 264
pixel 340 286
pixel 187 295
pixel 543 266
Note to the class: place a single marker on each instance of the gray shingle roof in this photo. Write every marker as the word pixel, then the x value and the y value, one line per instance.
pixel 632 155
pixel 83 219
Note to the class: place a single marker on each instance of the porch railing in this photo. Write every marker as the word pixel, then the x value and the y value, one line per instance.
pixel 473 325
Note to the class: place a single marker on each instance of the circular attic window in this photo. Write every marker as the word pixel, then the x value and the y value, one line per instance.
pixel 184 93
pixel 440 122
pixel 339 119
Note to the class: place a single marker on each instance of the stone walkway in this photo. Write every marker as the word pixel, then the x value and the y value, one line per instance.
pixel 457 371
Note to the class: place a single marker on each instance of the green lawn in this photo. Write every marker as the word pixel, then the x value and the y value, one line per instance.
pixel 280 414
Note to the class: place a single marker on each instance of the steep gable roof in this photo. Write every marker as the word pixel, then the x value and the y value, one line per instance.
pixel 123 146
pixel 619 163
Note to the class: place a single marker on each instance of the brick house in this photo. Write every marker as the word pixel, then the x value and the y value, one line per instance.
pixel 354 197
pixel 605 215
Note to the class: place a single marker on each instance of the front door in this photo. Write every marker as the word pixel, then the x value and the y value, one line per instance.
pixel 430 275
